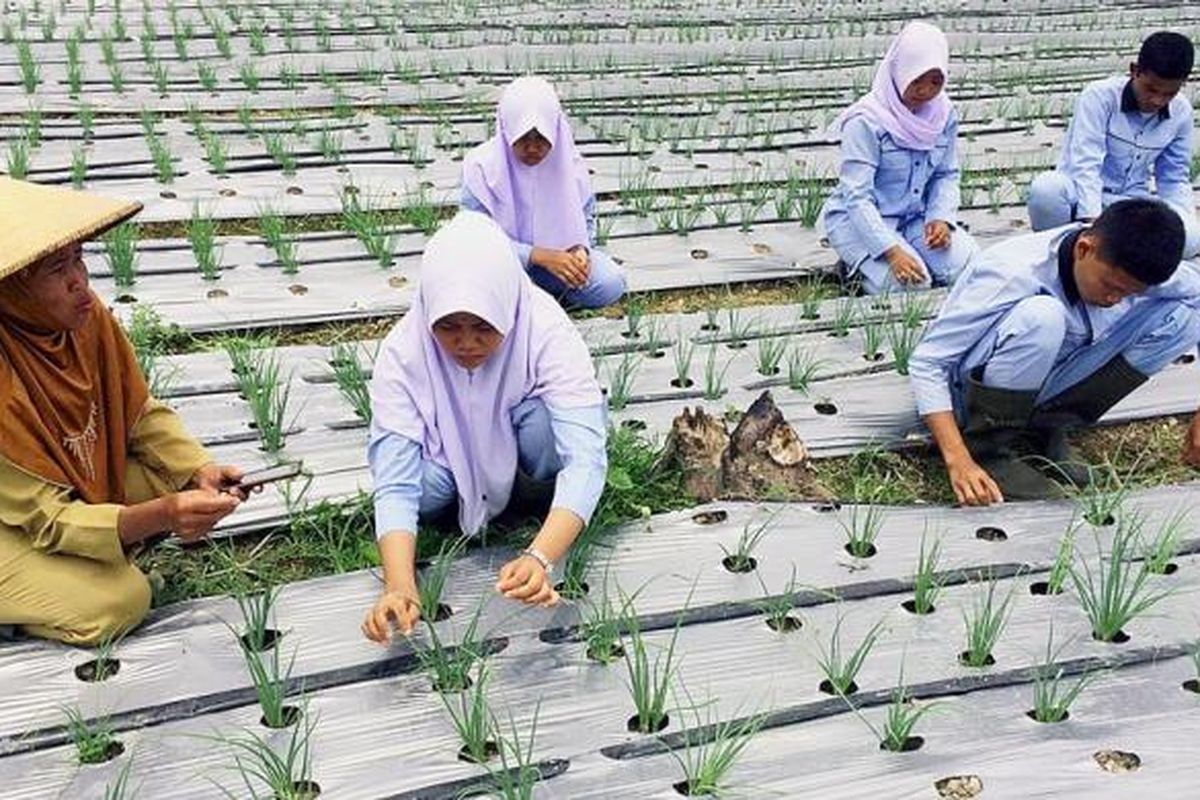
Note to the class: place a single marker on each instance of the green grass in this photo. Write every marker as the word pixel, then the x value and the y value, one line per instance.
pixel 1116 590
pixel 841 670
pixel 985 623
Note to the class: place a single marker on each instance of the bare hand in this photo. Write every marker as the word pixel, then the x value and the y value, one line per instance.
pixel 972 485
pixel 937 234
pixel 192 514
pixel 403 608
pixel 906 267
pixel 221 478
pixel 1191 443
pixel 568 267
pixel 526 580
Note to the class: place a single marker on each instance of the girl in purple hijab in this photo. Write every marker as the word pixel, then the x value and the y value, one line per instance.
pixel 891 218
pixel 531 179
pixel 484 378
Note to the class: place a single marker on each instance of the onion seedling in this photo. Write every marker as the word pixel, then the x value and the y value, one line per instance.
pixel 202 233
pixel 271 681
pixel 803 366
pixel 778 608
pixel 771 350
pixel 432 585
pixel 473 719
pixel 872 335
pixel 843 317
pixel 1115 592
pixel 286 775
pixel 741 558
pixel 649 681
pixel 120 251
pixel 840 671
pixel 710 750
pixel 79 167
pixel 257 609
pixel 120 788
pixel 449 668
pixel 682 354
pixel 1052 697
pixel 620 382
pixel 518 773
pixel 902 718
pixel 351 379
pixel 714 378
pixel 862 529
pixel 927 585
pixel 903 341
pixel 985 623
pixel 18 158
pixel 602 626
pixel 93 739
pixel 1159 552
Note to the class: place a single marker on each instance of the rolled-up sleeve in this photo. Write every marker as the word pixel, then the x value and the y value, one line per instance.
pixel 859 163
pixel 395 463
pixel 470 202
pixel 1088 144
pixel 55 521
pixel 943 191
pixel 580 438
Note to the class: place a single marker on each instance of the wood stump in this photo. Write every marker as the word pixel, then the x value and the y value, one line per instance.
pixel 763 459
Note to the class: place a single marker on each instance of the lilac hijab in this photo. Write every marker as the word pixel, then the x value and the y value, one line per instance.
pixel 462 417
pixel 540 205
pixel 918 48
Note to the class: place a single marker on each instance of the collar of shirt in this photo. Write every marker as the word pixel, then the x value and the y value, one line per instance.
pixel 1066 266
pixel 1129 102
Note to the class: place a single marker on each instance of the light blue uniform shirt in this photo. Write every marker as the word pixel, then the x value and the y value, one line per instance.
pixel 579 439
pixel 471 203
pixel 992 284
pixel 882 185
pixel 1113 148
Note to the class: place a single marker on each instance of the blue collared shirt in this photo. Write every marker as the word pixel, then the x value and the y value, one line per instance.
pixel 882 185
pixel 579 439
pixel 1003 275
pixel 1112 148
pixel 471 203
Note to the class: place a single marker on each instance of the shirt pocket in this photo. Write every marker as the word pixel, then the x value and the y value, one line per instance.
pixel 895 166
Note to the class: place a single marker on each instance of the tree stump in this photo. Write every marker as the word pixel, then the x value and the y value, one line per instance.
pixel 763 459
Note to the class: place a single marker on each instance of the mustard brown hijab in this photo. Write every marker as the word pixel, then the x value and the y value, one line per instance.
pixel 68 399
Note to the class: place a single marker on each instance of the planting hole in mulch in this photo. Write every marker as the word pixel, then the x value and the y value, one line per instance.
pixel 700 165
pixel 738 345
pixel 270 638
pixel 576 591
pixel 126 298
pixel 113 750
pixel 1169 569
pixel 167 195
pixel 397 281
pixel 710 326
pixel 443 612
pixel 989 533
pixel 656 354
pixel 710 517
pixel 911 607
pixel 1120 637
pixel 699 254
pixel 909 745
pixel 634 724
pixel 788 624
pixel 616 651
pixel 868 553
pixel 227 192
pixel 296 190
pixel 1117 761
pixel 216 294
pixel 1042 588
pixel 761 249
pixel 873 357
pixel 306 790
pixel 839 334
pixel 298 289
pixel 634 424
pixel 1104 523
pixel 825 408
pixel 964 656
pixel 97 670
pixel 827 688
pixel 774 371
pixel 1192 685
pixel 291 715
pixel 959 787
pixel 827 508
pixel 490 751
pixel 1032 714
pixel 686 383
pixel 442 688
pixel 739 565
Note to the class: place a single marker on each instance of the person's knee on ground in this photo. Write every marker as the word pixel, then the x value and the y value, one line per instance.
pixel 1177 332
pixel 1051 201
pixel 1028 340
pixel 537 457
pixel 102 605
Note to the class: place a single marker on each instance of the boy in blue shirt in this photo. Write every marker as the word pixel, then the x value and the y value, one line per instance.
pixel 1124 131
pixel 1044 333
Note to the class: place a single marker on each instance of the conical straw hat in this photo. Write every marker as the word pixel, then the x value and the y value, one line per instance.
pixel 38 220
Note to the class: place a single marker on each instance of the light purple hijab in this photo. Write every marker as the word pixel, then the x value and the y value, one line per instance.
pixel 917 49
pixel 460 417
pixel 540 205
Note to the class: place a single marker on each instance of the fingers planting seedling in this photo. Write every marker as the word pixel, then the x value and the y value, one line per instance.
pixel 985 621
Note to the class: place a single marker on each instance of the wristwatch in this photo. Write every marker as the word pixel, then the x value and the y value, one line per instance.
pixel 540 557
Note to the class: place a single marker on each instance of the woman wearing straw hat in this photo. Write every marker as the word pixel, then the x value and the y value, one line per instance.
pixel 90 464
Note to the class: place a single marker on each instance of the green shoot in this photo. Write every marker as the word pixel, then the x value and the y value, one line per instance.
pixel 927 586
pixel 840 671
pixel 862 529
pixel 649 681
pixel 985 622
pixel 1159 553
pixel 120 788
pixel 1112 594
pixel 450 667
pixel 903 340
pixel 94 741
pixel 741 558
pixel 79 167
pixel 351 379
pixel 771 350
pixel 202 233
pixel 433 581
pixel 620 382
pixel 286 776
pixel 1052 696
pixel 518 773
pixel 714 377
pixel 120 250
pixel 803 366
pixel 257 610
pixel 710 750
pixel 682 355
pixel 270 680
pixel 473 719
pixel 778 608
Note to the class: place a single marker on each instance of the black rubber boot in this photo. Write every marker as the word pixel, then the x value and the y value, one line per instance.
pixel 998 436
pixel 1078 407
